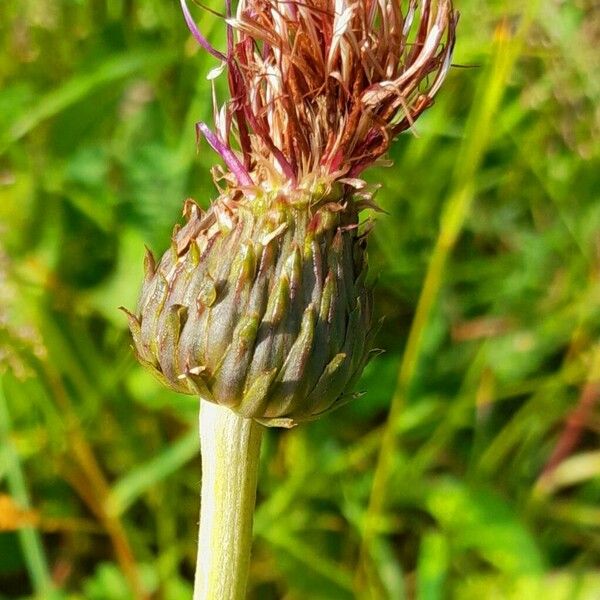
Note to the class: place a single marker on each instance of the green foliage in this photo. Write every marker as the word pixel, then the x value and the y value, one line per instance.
pixel 487 270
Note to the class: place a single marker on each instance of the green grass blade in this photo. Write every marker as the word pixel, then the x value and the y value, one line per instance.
pixel 79 87
pixel 131 486
pixel 432 567
pixel 31 543
pixel 477 137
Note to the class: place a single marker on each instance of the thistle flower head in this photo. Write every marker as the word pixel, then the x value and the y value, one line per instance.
pixel 320 88
pixel 261 303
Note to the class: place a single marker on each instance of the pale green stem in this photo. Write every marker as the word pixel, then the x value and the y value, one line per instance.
pixel 230 447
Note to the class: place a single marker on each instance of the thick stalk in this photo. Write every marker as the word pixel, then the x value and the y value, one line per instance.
pixel 230 447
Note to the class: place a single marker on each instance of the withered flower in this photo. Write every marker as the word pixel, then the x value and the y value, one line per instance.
pixel 261 303
pixel 319 89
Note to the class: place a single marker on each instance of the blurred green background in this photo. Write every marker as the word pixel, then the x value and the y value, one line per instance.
pixel 487 269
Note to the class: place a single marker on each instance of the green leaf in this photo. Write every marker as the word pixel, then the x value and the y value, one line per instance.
pixel 478 520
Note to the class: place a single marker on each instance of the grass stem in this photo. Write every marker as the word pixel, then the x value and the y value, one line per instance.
pixel 29 537
pixel 506 50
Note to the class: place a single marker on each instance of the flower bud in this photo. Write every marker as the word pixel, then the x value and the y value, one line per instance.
pixel 260 306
